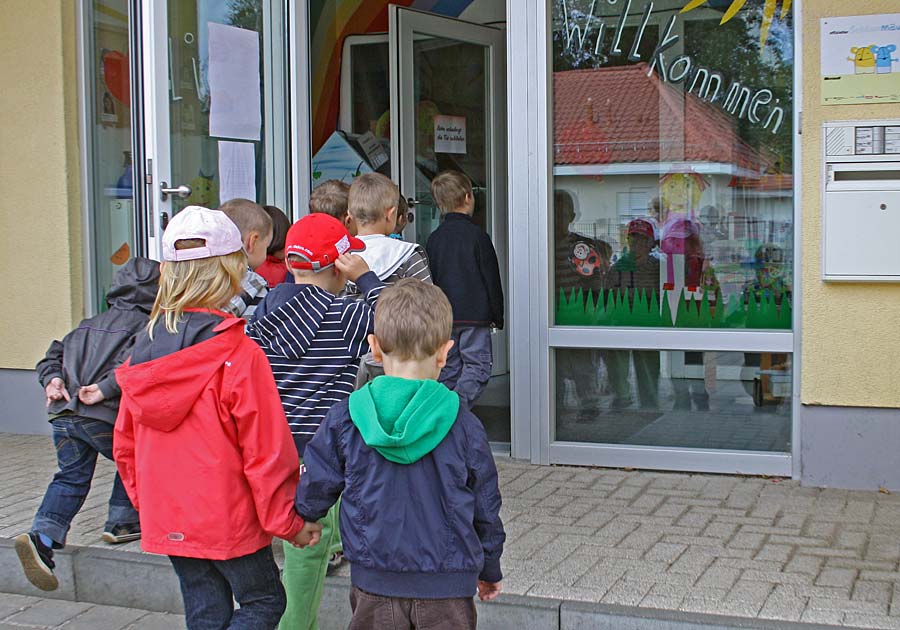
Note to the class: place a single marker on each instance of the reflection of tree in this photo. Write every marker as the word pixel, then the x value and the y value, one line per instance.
pixel 733 49
pixel 245 14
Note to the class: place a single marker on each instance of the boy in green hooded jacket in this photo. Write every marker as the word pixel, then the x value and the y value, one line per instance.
pixel 420 512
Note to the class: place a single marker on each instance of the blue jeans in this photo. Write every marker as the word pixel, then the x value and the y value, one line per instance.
pixel 469 363
pixel 77 441
pixel 209 588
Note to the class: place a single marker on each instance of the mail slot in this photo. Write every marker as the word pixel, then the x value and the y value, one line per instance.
pixel 861 205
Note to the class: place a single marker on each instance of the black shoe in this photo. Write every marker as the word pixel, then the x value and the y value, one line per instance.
pixel 122 534
pixel 37 561
pixel 335 561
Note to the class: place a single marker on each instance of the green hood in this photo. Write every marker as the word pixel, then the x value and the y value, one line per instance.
pixel 403 419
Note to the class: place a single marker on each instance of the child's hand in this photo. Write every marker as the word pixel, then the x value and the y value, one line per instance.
pixel 351 265
pixel 90 394
pixel 489 590
pixel 309 535
pixel 56 390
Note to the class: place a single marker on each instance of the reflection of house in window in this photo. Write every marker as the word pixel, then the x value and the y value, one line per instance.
pixel 617 131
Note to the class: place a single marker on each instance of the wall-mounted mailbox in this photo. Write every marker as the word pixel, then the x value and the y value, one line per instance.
pixel 861 206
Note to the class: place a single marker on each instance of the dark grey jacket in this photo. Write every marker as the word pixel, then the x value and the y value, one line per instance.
pixel 90 353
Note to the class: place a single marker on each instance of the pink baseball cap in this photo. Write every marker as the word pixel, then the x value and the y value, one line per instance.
pixel 213 227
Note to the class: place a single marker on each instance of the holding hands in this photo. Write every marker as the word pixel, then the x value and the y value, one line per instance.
pixel 309 535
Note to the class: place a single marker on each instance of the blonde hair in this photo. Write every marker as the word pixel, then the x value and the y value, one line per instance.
pixel 249 216
pixel 413 319
pixel 449 189
pixel 201 283
pixel 330 197
pixel 371 196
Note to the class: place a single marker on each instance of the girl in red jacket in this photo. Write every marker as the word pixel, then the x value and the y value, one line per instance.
pixel 201 441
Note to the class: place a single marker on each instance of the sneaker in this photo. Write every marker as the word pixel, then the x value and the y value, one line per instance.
pixel 122 534
pixel 37 561
pixel 335 560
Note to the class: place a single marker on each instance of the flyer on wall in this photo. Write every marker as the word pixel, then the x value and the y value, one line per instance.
pixel 861 59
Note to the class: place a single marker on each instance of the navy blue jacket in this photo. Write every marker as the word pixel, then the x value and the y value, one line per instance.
pixel 464 265
pixel 427 530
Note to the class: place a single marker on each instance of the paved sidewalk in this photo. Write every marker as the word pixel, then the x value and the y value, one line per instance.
pixel 20 611
pixel 727 545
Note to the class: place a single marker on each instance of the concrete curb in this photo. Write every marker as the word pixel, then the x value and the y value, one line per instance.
pixel 134 579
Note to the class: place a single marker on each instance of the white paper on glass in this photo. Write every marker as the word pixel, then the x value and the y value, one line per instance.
pixel 449 134
pixel 234 108
pixel 237 170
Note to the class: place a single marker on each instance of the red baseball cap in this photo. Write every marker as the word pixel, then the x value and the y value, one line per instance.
pixel 318 239
pixel 640 226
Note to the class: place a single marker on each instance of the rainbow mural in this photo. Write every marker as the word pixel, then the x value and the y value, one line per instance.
pixel 332 21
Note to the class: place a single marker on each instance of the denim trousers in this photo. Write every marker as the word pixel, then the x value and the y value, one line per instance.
pixel 78 440
pixel 469 363
pixel 209 589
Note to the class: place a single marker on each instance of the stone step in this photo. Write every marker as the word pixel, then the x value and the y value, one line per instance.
pixel 130 578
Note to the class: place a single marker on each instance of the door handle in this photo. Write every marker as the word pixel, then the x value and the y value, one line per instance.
pixel 183 191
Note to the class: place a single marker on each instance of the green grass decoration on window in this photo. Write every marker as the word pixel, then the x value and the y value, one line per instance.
pixel 580 308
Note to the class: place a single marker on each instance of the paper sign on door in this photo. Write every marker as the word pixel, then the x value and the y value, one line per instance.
pixel 449 134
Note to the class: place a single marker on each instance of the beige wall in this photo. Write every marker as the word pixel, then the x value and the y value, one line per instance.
pixel 40 227
pixel 851 342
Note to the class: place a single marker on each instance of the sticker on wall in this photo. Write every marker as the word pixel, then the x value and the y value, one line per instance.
pixel 449 134
pixel 860 59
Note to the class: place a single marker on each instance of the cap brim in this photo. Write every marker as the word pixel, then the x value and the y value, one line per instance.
pixel 356 245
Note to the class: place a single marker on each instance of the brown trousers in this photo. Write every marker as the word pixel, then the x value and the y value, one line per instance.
pixel 398 613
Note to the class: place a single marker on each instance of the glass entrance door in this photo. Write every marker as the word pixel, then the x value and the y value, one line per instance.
pixel 448 111
pixel 216 109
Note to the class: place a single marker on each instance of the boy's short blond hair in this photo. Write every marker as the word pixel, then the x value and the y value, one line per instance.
pixel 249 216
pixel 413 319
pixel 449 190
pixel 371 196
pixel 330 197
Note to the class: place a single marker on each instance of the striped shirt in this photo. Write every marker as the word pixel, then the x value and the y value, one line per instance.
pixel 314 340
pixel 415 266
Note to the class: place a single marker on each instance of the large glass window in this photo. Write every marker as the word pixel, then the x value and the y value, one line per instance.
pixel 714 400
pixel 672 162
pixel 108 126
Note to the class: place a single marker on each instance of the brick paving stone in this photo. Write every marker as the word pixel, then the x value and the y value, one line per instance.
pixel 805 564
pixel 777 553
pixel 827 617
pixel 860 620
pixel 105 618
pixel 842 578
pixel 661 602
pixel 11 604
pixel 48 612
pixel 158 621
pixel 872 592
pixel 626 593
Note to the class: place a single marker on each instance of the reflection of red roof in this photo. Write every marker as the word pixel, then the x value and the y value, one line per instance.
pixel 619 114
pixel 765 183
